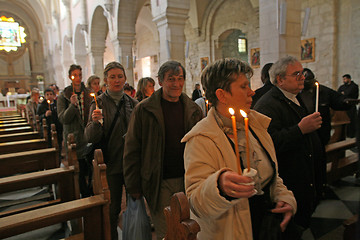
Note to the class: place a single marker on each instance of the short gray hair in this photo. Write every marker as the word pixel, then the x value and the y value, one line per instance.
pixel 279 68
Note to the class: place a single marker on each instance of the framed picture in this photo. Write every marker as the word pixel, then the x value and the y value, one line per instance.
pixel 308 50
pixel 204 61
pixel 255 57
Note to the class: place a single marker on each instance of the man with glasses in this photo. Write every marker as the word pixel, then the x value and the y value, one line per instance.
pixel 293 131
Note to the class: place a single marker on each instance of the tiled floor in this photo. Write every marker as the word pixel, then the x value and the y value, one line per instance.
pixel 341 203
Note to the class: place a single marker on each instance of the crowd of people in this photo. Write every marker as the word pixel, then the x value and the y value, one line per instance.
pixel 157 143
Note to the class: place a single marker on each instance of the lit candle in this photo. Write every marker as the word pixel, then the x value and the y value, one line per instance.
pixel 233 119
pixel 72 78
pixel 317 97
pixel 246 120
pixel 48 101
pixel 207 106
pixel 94 95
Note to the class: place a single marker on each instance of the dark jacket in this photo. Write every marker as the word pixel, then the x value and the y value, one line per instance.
pixel 350 90
pixel 144 145
pixel 328 98
pixel 260 92
pixel 43 107
pixel 69 116
pixel 95 131
pixel 297 158
pixel 196 94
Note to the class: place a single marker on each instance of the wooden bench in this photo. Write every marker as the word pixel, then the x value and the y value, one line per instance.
pixel 19 136
pixel 23 145
pixel 94 211
pixel 179 224
pixel 13 125
pixel 339 165
pixel 28 161
pixel 16 130
pixel 339 121
pixel 22 120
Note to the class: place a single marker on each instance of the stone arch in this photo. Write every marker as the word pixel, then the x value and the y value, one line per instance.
pixel 99 29
pixel 67 59
pixel 80 47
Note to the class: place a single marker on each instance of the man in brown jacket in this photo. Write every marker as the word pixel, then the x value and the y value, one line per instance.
pixel 153 157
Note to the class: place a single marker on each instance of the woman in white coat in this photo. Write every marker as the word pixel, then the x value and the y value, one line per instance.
pixel 228 205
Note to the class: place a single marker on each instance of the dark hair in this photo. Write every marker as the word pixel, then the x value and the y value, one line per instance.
pixel 309 75
pixel 112 65
pixel 49 90
pixel 220 75
pixel 143 82
pixel 128 87
pixel 74 67
pixel 265 76
pixel 54 85
pixel 172 66
pixel 90 80
pixel 347 76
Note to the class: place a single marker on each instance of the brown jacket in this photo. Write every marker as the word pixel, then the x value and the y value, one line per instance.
pixel 144 145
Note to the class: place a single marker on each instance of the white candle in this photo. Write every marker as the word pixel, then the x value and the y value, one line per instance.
pixel 317 97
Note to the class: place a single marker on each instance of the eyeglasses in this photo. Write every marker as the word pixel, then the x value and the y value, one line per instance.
pixel 297 75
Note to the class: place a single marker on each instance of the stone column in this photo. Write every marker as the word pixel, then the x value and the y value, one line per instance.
pixel 123 47
pixel 97 61
pixel 274 41
pixel 170 20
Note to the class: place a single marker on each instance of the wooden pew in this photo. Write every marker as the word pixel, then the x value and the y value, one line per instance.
pixel 21 120
pixel 179 224
pixel 23 145
pixel 19 136
pixel 66 179
pixel 16 130
pixel 13 125
pixel 28 161
pixel 93 210
pixel 339 121
pixel 339 165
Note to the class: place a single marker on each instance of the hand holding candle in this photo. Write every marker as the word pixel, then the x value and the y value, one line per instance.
pixel 94 95
pixel 48 101
pixel 72 78
pixel 233 119
pixel 246 121
pixel 317 97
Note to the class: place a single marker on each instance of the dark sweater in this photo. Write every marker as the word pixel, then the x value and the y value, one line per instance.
pixel 173 113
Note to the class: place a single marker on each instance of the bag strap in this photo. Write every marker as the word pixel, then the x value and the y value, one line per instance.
pixel 115 118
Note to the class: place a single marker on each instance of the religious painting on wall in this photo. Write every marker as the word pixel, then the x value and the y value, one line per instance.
pixel 204 61
pixel 308 50
pixel 255 57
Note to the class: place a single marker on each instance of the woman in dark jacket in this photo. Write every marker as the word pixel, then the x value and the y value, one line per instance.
pixel 108 125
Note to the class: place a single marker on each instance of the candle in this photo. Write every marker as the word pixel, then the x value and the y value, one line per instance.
pixel 207 106
pixel 72 78
pixel 246 120
pixel 317 97
pixel 233 119
pixel 48 101
pixel 94 95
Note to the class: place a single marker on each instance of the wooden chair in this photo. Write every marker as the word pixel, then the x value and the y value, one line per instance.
pixel 179 224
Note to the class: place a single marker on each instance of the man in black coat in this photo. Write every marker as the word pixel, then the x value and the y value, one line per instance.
pixel 293 131
pixel 351 91
pixel 196 93
pixel 265 78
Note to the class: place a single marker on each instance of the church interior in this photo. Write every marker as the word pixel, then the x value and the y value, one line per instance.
pixel 40 39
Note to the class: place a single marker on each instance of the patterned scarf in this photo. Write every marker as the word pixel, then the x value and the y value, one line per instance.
pixel 81 105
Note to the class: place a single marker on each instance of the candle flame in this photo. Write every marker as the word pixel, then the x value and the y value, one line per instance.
pixel 48 101
pixel 92 94
pixel 207 101
pixel 41 98
pixel 243 113
pixel 72 77
pixel 316 83
pixel 231 111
